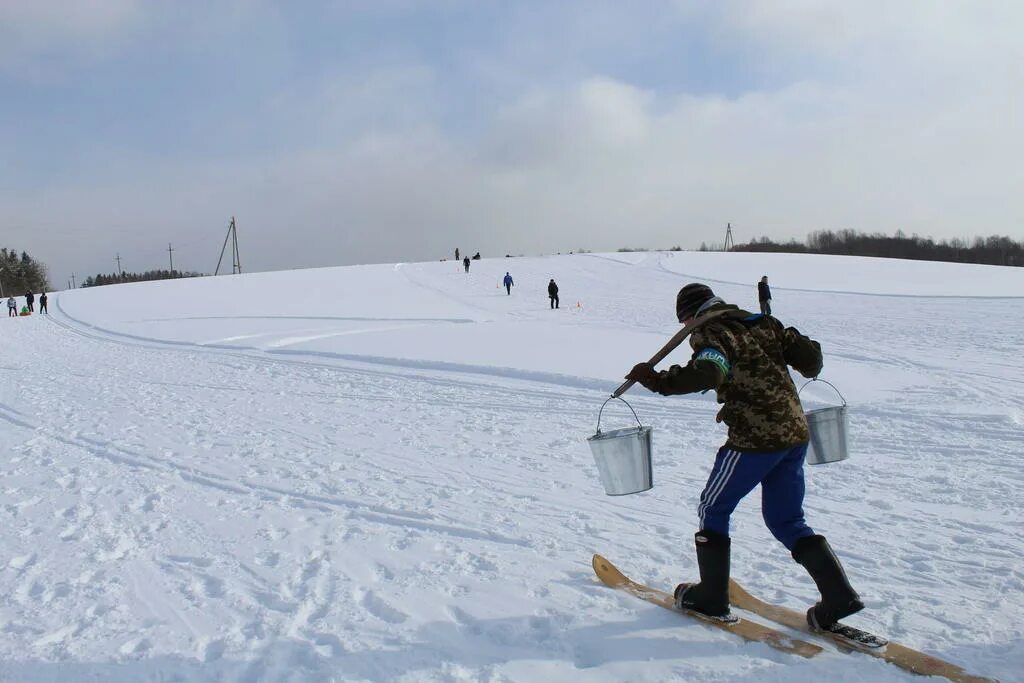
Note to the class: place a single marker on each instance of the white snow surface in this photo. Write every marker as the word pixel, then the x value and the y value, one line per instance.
pixel 379 473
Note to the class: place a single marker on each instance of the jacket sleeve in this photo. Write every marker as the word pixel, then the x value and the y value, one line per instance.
pixel 690 378
pixel 802 353
pixel 708 367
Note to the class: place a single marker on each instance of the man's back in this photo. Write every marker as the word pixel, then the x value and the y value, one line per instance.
pixel 761 408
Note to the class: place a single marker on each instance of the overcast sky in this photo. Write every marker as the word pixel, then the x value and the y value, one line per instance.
pixel 377 131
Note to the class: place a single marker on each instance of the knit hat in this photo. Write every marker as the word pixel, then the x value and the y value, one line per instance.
pixel 690 299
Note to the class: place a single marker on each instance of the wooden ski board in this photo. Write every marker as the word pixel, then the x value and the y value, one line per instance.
pixel 894 653
pixel 749 630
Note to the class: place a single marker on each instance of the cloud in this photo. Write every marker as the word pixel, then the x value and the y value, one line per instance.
pixel 875 118
pixel 40 39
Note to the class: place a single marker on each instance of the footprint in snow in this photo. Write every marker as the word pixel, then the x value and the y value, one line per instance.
pixel 190 560
pixel 268 559
pixel 382 610
pixel 135 646
pixel 211 650
pixel 328 645
pixel 22 562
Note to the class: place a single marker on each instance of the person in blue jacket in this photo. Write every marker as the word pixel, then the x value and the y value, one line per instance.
pixel 508 283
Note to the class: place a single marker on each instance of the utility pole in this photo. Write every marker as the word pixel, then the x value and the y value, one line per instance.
pixel 236 262
pixel 119 271
pixel 729 243
pixel 73 285
pixel 170 253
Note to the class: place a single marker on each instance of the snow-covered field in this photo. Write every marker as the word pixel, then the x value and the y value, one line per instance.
pixel 379 473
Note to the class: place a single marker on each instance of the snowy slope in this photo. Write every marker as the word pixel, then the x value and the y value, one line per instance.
pixel 378 473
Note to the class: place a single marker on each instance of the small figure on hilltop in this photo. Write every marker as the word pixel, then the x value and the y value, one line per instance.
pixel 12 307
pixel 553 293
pixel 744 358
pixel 456 253
pixel 42 303
pixel 465 263
pixel 476 256
pixel 508 283
pixel 764 295
pixel 29 299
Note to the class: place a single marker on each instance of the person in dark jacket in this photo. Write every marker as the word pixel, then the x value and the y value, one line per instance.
pixel 29 298
pixel 465 263
pixel 42 303
pixel 508 283
pixel 553 293
pixel 764 295
pixel 744 358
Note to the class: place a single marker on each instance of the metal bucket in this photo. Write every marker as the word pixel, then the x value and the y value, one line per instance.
pixel 623 456
pixel 828 428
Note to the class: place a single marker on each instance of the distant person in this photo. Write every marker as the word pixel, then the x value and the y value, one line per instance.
pixel 553 293
pixel 465 263
pixel 12 308
pixel 476 256
pixel 456 253
pixel 508 283
pixel 29 300
pixel 764 295
pixel 42 303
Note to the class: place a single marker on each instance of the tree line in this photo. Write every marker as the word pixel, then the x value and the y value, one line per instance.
pixel 995 250
pixel 20 273
pixel 118 278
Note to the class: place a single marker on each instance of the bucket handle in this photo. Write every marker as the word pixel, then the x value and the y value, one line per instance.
pixel 606 403
pixel 816 379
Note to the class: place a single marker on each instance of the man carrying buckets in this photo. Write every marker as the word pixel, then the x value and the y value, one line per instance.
pixel 744 358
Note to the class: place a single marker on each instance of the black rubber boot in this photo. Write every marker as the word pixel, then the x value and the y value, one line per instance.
pixel 838 599
pixel 711 595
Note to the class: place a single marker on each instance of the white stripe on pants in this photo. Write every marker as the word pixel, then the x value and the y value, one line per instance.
pixel 717 484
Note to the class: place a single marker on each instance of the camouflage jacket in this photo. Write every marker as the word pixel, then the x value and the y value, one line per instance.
pixel 744 357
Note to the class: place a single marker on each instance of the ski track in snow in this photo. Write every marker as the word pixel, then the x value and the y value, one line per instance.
pixel 178 511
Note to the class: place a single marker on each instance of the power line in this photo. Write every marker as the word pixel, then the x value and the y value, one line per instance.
pixel 170 254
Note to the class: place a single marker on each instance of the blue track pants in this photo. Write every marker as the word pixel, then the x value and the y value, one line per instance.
pixel 781 476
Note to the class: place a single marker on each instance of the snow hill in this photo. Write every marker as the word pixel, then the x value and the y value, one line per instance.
pixel 378 473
